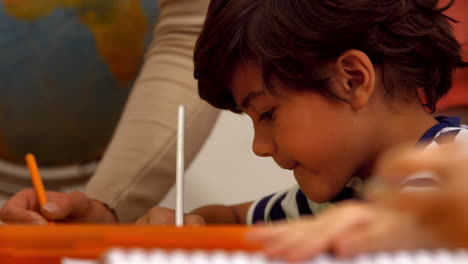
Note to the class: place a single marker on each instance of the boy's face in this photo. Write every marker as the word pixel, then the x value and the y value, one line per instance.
pixel 319 140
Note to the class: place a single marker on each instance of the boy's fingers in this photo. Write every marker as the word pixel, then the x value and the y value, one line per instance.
pixel 297 241
pixel 194 220
pixel 266 233
pixel 380 234
pixel 159 216
pixel 165 216
pixel 307 250
pixel 355 243
pixel 142 220
pixel 299 245
pixel 283 247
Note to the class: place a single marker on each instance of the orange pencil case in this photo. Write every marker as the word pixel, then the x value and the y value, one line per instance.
pixel 49 244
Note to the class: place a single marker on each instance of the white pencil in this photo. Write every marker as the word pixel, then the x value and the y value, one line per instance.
pixel 180 166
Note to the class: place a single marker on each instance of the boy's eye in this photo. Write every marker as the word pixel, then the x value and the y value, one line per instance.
pixel 269 115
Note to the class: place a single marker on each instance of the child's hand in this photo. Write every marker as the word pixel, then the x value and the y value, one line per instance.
pixel 348 229
pixel 165 216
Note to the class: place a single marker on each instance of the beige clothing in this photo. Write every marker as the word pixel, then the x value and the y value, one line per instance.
pixel 139 166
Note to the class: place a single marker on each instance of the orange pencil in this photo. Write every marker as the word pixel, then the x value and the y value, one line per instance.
pixel 36 179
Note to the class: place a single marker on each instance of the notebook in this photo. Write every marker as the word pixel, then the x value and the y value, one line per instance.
pixel 161 256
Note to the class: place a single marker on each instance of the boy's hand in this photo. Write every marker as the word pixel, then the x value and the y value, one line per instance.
pixel 165 216
pixel 23 207
pixel 345 230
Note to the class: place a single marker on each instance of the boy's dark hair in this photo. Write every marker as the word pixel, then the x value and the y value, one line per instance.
pixel 290 39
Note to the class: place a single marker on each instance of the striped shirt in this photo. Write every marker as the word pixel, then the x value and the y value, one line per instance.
pixel 291 203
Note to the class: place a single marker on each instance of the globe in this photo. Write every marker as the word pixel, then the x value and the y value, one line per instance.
pixel 66 70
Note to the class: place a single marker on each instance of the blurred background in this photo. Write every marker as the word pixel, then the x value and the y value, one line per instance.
pixel 66 70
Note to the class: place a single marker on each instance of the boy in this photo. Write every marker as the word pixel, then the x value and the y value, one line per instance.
pixel 329 85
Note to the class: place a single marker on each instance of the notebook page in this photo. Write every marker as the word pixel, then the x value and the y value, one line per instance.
pixel 160 256
pixel 78 261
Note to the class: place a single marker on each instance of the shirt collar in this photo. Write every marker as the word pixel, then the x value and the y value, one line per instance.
pixel 444 122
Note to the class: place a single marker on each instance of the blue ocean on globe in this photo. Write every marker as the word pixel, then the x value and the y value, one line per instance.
pixel 66 70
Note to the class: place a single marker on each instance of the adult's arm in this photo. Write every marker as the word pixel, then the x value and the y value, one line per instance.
pixel 138 167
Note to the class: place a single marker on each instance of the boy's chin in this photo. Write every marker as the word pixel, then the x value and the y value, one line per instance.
pixel 316 192
pixel 319 195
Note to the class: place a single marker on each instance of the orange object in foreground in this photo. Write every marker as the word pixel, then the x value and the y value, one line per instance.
pixel 36 179
pixel 49 244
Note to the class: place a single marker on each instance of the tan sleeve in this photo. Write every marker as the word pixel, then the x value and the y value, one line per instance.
pixel 138 167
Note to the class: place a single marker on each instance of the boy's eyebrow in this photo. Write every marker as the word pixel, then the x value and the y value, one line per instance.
pixel 246 101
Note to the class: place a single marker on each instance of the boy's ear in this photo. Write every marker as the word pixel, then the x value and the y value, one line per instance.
pixel 356 77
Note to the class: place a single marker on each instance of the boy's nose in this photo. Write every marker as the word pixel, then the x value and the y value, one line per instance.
pixel 262 146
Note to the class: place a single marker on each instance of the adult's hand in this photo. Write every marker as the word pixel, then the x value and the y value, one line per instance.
pixel 435 218
pixel 24 207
